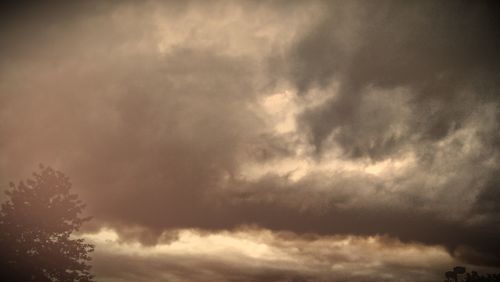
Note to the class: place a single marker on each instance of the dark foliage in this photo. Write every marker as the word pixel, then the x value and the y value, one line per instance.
pixel 459 274
pixel 36 224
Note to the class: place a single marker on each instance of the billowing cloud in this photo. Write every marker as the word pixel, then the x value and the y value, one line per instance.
pixel 256 255
pixel 349 119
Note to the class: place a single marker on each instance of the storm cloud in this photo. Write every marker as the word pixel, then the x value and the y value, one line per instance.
pixel 316 119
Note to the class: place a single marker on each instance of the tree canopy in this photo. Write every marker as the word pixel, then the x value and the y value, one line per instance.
pixel 459 274
pixel 36 223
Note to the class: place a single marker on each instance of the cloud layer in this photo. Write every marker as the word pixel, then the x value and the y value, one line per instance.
pixel 329 118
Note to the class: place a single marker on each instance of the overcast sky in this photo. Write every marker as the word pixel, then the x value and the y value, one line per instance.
pixel 263 140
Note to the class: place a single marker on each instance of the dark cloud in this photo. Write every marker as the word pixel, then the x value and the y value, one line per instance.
pixel 437 59
pixel 152 109
pixel 407 225
pixel 436 50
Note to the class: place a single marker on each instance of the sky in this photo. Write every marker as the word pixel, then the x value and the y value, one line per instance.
pixel 263 140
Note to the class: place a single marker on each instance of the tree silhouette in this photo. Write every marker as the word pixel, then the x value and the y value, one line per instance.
pixel 458 274
pixel 36 224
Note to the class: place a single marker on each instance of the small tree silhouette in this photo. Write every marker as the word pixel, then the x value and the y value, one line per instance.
pixel 459 271
pixel 36 223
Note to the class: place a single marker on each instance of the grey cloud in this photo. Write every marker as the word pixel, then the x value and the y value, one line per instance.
pixel 154 140
pixel 438 62
pixel 304 258
pixel 434 49
pixel 132 130
pixel 175 268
